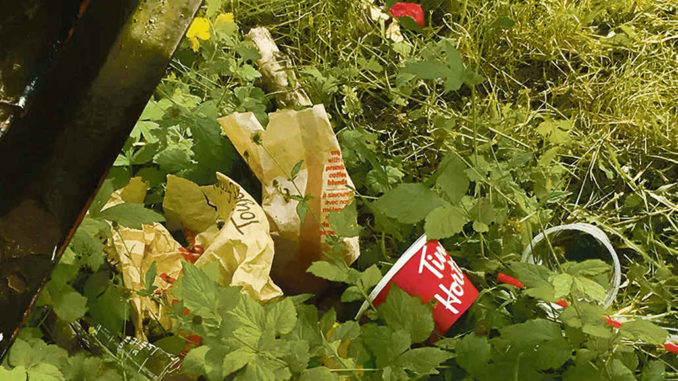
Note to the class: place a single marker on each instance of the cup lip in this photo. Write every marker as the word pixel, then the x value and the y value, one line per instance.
pixel 404 258
pixel 596 233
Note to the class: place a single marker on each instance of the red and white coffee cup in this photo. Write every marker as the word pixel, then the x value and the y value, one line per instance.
pixel 426 270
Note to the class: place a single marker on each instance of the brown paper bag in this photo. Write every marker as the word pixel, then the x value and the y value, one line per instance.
pixel 242 245
pixel 135 250
pixel 272 153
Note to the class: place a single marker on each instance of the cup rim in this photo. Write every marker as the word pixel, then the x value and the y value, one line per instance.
pixel 404 258
pixel 596 233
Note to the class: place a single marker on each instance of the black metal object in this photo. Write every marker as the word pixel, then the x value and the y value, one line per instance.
pixel 101 63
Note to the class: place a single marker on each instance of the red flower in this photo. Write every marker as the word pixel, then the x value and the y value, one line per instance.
pixel 503 278
pixel 197 339
pixel 412 10
pixel 612 322
pixel 563 303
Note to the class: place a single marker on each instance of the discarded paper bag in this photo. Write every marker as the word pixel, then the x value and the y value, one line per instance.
pixel 293 137
pixel 242 244
pixel 135 250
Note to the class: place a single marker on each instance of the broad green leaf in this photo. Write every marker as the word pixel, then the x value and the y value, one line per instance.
pixel 370 277
pixel 384 343
pixel 149 278
pixel 346 331
pixel 452 179
pixel 101 197
pixel 617 371
pixel 591 288
pixel 81 367
pixel 297 356
pixel 483 211
pixel 590 267
pixel 375 179
pixel 423 361
pixel 86 244
pixel 407 313
pixel 531 333
pixel 173 158
pixel 583 372
pixel 69 306
pixel 247 72
pixel 426 69
pixel 236 360
pixel 302 210
pixel 249 321
pixel 152 111
pixel 16 374
pixel 296 169
pixel 345 222
pixel 198 291
pixel 131 215
pixel 552 354
pixel 45 372
pixel 655 370
pixel 561 284
pixel 473 353
pixel 109 309
pixel 328 270
pixel 535 278
pixel 194 363
pixel 588 317
pixel 281 316
pixel 449 68
pixel 351 294
pixel 212 150
pixel 408 203
pixel 645 331
pixel 319 373
pixel 444 222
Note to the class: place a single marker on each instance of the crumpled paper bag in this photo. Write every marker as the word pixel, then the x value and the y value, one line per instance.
pixel 272 153
pixel 242 245
pixel 135 250
pixel 231 226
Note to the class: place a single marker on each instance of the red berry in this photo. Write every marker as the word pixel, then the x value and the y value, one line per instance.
pixel 412 10
pixel 175 301
pixel 187 311
pixel 507 279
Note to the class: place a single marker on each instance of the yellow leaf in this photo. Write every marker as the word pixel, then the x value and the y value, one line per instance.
pixel 224 17
pixel 200 28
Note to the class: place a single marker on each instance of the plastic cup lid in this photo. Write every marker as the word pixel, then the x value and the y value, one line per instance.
pixel 596 233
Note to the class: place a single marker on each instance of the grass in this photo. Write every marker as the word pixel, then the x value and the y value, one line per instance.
pixel 611 67
pixel 579 102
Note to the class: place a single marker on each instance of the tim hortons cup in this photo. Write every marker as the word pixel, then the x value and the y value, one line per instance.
pixel 426 270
